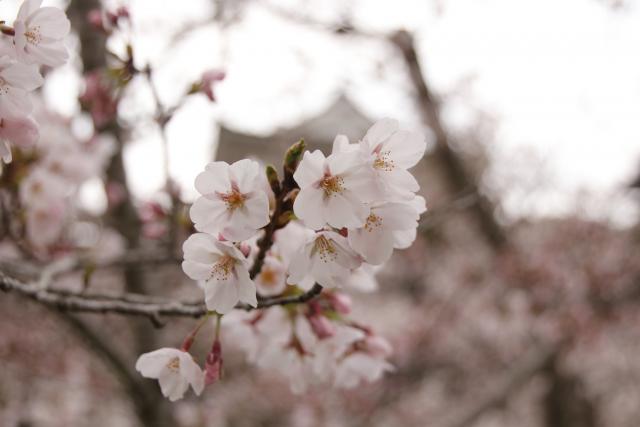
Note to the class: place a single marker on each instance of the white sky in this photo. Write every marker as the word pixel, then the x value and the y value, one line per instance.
pixel 561 80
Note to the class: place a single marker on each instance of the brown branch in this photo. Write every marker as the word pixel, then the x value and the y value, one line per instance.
pixel 132 304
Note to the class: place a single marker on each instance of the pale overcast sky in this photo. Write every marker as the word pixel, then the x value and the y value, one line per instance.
pixel 560 80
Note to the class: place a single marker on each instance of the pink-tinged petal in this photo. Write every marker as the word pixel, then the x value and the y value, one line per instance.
pixel 226 248
pixel 21 131
pixel 367 184
pixel 379 132
pixel 346 257
pixel 195 270
pixel 397 216
pixel 308 206
pixel 244 174
pixel 237 232
pixel 375 244
pixel 345 210
pixel 214 179
pixel 201 248
pixel 23 76
pixel 246 288
pixel 406 148
pixel 329 275
pixel 310 170
pixel 221 295
pixel 402 239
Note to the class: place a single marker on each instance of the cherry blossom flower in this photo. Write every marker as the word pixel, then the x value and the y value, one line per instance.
pixel 21 132
pixel 329 351
pixel 365 362
pixel 375 241
pixel 272 278
pixel 41 186
pixel 388 153
pixel 234 203
pixel 174 369
pixel 329 189
pixel 402 239
pixel 39 34
pixel 16 80
pixel 326 259
pixel 45 221
pixel 224 270
pixel 294 359
pixel 255 332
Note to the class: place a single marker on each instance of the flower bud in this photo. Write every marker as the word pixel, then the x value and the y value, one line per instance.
pixel 272 177
pixel 321 326
pixel 292 158
pixel 340 302
pixel 213 364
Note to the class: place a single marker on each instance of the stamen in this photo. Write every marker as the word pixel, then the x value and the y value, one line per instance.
pixel 174 364
pixel 223 268
pixel 234 199
pixel 332 185
pixel 373 221
pixel 326 249
pixel 33 35
pixel 383 161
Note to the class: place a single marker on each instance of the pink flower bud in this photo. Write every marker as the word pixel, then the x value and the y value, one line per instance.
pixel 115 193
pixel 94 18
pixel 321 326
pixel 245 249
pixel 209 79
pixel 340 302
pixel 213 364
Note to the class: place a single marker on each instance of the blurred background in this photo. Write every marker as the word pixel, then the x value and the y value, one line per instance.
pixel 518 303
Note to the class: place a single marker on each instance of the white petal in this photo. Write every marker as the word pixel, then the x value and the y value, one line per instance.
pixel 27 8
pixel 341 145
pixel 51 54
pixel 151 364
pixel 221 295
pixel 397 216
pixel 196 271
pixel 400 184
pixel 308 206
pixel 345 210
pixel 23 76
pixel 310 169
pixel 341 163
pixel 172 385
pixel 244 173
pixel 215 178
pixel 406 148
pixel 256 210
pixel 379 132
pixel 299 265
pixel 375 245
pixel 208 215
pixel 246 288
pixel 402 239
pixel 52 21
pixel 190 370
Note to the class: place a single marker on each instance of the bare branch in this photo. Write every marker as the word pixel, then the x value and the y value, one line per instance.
pixel 132 304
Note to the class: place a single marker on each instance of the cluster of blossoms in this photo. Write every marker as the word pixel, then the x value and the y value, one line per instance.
pixel 49 177
pixel 327 224
pixel 36 39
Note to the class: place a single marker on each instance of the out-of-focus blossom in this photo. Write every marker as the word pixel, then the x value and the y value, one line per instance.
pixel 16 81
pixel 209 80
pixel 21 132
pixel 365 362
pixel 174 369
pixel 98 99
